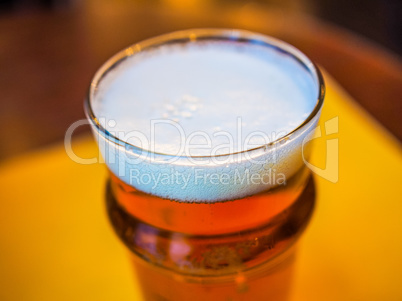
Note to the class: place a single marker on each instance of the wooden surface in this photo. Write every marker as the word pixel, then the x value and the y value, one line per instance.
pixel 47 61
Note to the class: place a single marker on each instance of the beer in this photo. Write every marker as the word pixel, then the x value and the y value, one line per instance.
pixel 203 132
pixel 250 264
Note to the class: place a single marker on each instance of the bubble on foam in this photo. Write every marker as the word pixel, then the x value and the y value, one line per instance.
pixel 214 88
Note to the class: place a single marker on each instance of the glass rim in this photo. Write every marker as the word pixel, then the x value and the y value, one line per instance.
pixel 193 35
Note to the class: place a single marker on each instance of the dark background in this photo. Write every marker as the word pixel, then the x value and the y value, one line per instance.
pixel 378 20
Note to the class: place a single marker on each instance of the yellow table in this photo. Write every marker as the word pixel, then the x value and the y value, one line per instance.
pixel 56 243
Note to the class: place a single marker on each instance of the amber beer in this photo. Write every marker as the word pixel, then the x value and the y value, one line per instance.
pixel 253 261
pixel 203 225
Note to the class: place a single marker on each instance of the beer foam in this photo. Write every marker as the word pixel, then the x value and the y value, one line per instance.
pixel 204 99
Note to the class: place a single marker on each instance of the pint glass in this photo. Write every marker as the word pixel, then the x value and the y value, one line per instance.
pixel 203 135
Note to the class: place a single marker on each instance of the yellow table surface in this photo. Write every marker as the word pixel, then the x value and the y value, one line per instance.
pixel 56 243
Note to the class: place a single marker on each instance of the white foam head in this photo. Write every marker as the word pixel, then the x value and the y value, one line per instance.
pixel 172 103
